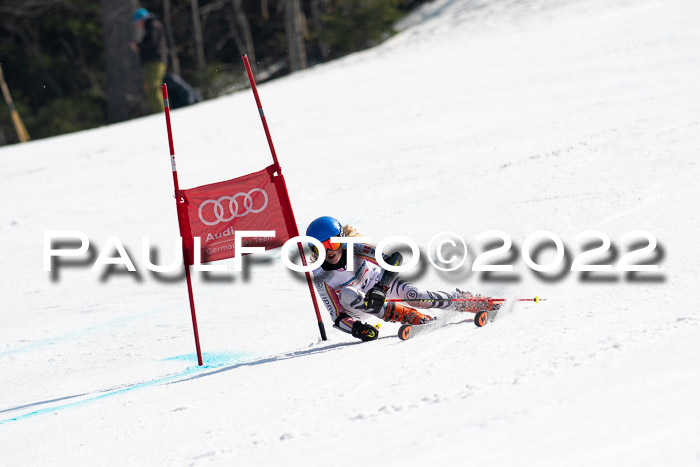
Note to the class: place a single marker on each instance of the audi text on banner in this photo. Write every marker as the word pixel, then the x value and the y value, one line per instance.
pixel 215 212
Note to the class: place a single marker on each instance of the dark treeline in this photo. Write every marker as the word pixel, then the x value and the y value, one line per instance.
pixel 69 67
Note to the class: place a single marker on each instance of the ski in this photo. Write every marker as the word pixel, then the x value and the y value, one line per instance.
pixel 407 331
pixel 481 318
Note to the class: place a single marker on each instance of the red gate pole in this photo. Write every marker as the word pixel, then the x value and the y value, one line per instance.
pixel 166 106
pixel 291 221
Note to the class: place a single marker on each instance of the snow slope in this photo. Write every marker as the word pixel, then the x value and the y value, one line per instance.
pixel 513 115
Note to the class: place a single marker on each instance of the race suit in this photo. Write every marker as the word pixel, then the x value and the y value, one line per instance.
pixel 343 292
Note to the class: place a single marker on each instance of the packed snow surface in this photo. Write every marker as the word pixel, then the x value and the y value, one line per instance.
pixel 517 116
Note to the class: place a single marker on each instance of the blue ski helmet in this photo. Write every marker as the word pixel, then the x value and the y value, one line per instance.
pixel 323 229
pixel 140 14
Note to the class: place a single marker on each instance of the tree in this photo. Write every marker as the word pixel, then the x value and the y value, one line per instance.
pixel 124 84
pixel 246 37
pixel 318 26
pixel 198 39
pixel 52 56
pixel 172 48
pixel 354 25
pixel 69 65
pixel 294 27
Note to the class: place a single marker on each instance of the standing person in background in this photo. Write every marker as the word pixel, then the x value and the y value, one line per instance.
pixel 153 51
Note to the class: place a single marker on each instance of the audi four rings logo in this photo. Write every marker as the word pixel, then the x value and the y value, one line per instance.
pixel 220 214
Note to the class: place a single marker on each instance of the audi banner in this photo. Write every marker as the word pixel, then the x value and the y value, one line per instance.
pixel 215 212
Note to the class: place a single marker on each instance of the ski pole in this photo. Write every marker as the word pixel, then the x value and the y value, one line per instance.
pixel 475 299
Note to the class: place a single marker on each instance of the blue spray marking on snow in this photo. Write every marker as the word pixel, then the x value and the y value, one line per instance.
pixel 213 360
pixel 73 335
pixel 210 360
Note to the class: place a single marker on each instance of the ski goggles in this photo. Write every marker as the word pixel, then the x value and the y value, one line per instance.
pixel 328 245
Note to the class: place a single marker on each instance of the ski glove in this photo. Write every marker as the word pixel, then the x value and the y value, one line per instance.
pixel 364 331
pixel 375 298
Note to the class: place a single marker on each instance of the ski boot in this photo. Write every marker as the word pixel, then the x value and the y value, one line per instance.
pixel 399 313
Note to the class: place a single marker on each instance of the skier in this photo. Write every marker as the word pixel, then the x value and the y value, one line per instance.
pixel 349 295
